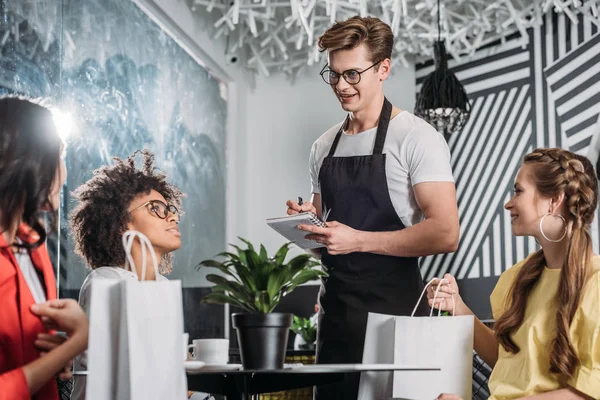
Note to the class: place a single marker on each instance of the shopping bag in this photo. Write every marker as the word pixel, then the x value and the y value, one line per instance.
pixel 103 340
pixel 143 333
pixel 443 342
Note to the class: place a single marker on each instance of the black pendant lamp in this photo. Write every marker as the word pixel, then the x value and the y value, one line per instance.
pixel 443 101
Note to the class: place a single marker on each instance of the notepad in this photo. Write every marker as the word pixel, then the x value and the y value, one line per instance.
pixel 287 227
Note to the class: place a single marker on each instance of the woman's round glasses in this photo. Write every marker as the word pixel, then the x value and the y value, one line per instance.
pixel 351 76
pixel 159 208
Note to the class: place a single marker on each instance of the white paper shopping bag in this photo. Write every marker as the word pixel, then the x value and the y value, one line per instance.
pixel 142 348
pixel 103 341
pixel 444 342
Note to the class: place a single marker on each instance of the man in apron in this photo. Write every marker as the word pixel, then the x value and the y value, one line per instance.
pixel 384 178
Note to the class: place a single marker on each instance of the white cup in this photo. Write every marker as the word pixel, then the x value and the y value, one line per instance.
pixel 186 338
pixel 210 351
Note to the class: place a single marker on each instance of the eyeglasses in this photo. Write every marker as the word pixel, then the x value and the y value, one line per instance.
pixel 351 76
pixel 159 208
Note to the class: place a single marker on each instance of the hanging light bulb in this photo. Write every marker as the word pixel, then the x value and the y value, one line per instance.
pixel 443 101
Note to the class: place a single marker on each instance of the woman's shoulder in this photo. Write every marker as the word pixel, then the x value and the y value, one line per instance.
pixel 104 273
pixel 592 289
pixel 498 298
pixel 508 276
pixel 110 273
pixel 113 273
pixel 595 264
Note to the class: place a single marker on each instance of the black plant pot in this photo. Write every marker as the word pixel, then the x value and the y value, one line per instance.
pixel 262 339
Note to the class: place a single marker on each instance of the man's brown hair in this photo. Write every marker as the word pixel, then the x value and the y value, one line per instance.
pixel 349 34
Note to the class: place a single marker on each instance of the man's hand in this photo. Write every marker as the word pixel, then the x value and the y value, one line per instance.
pixel 46 342
pixel 338 238
pixel 295 208
pixel 445 396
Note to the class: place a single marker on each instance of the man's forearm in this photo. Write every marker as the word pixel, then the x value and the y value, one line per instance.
pixel 426 238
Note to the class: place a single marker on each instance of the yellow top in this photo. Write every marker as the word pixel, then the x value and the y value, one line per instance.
pixel 528 372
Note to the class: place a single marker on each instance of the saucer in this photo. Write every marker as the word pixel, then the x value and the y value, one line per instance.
pixel 222 367
pixel 193 365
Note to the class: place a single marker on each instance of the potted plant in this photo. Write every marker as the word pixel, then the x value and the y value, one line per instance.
pixel 306 333
pixel 256 283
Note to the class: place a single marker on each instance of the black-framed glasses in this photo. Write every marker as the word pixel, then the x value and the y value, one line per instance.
pixel 159 208
pixel 351 76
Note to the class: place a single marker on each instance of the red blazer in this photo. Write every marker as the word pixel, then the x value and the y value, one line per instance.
pixel 19 327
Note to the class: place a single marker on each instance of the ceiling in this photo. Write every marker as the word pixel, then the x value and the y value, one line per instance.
pixel 269 36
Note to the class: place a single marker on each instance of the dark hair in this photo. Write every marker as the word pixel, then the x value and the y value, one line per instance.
pixel 349 34
pixel 30 149
pixel 101 217
pixel 557 171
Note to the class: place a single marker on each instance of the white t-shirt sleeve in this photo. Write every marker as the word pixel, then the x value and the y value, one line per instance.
pixel 314 167
pixel 427 156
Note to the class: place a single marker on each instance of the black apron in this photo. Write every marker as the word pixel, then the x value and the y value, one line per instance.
pixel 355 190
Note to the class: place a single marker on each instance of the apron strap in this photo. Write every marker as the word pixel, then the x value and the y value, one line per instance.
pixel 382 127
pixel 337 137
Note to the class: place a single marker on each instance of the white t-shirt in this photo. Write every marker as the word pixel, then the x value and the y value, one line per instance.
pixel 80 363
pixel 415 153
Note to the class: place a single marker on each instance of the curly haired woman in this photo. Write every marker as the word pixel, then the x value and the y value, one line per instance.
pixel 118 198
pixel 546 342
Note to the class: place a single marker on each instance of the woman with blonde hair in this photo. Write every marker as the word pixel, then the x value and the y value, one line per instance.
pixel 546 340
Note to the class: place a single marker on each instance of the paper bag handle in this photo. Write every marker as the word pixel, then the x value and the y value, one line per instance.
pixel 434 297
pixel 128 239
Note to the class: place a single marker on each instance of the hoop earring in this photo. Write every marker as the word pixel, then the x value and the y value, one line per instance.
pixel 542 230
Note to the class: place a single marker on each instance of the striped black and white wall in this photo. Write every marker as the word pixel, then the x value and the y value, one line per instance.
pixel 542 92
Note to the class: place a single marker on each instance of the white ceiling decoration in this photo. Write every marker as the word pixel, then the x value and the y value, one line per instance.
pixel 269 36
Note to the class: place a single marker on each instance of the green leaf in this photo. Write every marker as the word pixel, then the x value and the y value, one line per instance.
pixel 242 272
pixel 221 298
pixel 302 278
pixel 235 288
pixel 282 253
pixel 262 302
pixel 250 246
pixel 229 255
pixel 210 263
pixel 264 257
pixel 274 285
pixel 223 267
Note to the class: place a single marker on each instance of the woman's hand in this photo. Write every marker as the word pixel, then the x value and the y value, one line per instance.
pixel 46 342
pixel 64 315
pixel 448 289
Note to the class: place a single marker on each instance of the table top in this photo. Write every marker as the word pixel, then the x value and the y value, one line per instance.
pixel 316 369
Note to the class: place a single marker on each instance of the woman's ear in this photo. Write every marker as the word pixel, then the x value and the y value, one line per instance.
pixel 557 204
pixel 130 225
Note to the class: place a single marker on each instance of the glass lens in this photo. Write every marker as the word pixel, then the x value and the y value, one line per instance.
pixel 159 208
pixel 331 77
pixel 173 210
pixel 352 76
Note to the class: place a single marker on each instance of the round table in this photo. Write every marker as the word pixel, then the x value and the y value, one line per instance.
pixel 240 384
